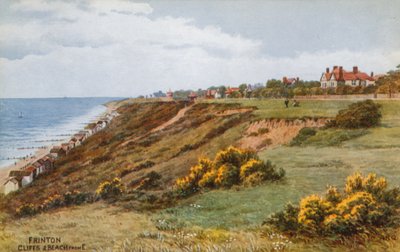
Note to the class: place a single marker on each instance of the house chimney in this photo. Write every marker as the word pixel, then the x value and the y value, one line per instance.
pixel 372 74
pixel 284 80
pixel 327 70
pixel 341 73
pixel 355 69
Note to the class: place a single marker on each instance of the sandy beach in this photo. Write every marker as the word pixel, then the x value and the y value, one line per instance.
pixel 39 153
pixel 23 163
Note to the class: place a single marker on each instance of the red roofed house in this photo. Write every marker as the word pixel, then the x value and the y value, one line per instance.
pixel 230 90
pixel 290 81
pixel 212 94
pixel 339 75
pixel 192 96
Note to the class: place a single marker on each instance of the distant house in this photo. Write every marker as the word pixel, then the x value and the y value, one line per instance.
pixel 213 94
pixel 248 90
pixel 290 81
pixel 192 96
pixel 170 94
pixel 350 78
pixel 25 176
pixel 230 90
pixel 12 184
pixel 57 151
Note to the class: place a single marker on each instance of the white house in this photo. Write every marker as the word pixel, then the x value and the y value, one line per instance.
pixel 350 78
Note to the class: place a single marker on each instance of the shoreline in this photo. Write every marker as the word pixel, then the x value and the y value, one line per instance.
pixel 40 153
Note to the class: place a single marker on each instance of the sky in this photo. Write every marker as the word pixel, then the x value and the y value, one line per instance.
pixel 123 48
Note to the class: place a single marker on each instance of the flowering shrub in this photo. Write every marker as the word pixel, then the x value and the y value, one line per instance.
pixel 110 189
pixel 26 210
pixel 55 201
pixel 230 167
pixel 365 205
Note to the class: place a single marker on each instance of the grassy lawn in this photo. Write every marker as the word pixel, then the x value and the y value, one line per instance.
pixel 309 169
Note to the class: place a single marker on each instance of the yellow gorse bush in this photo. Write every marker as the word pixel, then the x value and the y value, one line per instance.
pixel 365 204
pixel 109 189
pixel 230 166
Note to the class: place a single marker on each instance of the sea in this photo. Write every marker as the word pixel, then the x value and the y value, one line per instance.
pixel 29 124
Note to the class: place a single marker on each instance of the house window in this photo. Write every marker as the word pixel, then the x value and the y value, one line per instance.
pixel 353 82
pixel 332 84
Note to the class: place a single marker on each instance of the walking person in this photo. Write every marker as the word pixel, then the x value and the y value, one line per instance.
pixel 287 103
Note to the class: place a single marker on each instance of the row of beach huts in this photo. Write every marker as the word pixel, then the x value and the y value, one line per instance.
pixel 25 176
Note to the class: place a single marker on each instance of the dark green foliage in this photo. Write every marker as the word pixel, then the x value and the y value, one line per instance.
pixel 363 114
pixel 26 210
pixel 150 181
pixel 285 220
pixel 303 135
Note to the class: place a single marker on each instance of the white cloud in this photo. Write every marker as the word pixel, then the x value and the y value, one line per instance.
pixel 107 49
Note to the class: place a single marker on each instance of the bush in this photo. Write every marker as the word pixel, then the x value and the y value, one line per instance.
pixel 303 135
pixel 26 210
pixel 110 189
pixel 363 114
pixel 365 206
pixel 150 181
pixel 230 167
pixel 227 175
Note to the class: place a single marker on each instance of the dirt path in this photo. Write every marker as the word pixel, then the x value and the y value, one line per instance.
pixel 178 116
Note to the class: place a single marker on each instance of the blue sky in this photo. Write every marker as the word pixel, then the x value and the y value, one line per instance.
pixel 127 48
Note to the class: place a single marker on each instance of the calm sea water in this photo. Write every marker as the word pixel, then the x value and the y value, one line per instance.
pixel 28 124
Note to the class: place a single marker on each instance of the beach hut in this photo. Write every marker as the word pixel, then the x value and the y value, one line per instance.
pixel 49 161
pixel 33 170
pixel 12 184
pixel 57 151
pixel 65 147
pixel 25 176
pixel 40 167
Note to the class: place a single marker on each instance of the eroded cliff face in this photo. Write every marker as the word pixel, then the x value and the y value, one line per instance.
pixel 269 133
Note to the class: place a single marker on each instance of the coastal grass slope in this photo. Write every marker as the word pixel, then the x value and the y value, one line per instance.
pixel 130 148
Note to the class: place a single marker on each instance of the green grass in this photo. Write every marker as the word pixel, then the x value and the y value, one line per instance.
pixel 308 169
pixel 276 108
pixel 333 137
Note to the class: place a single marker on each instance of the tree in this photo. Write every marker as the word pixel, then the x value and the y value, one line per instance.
pixel 274 84
pixel 390 83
